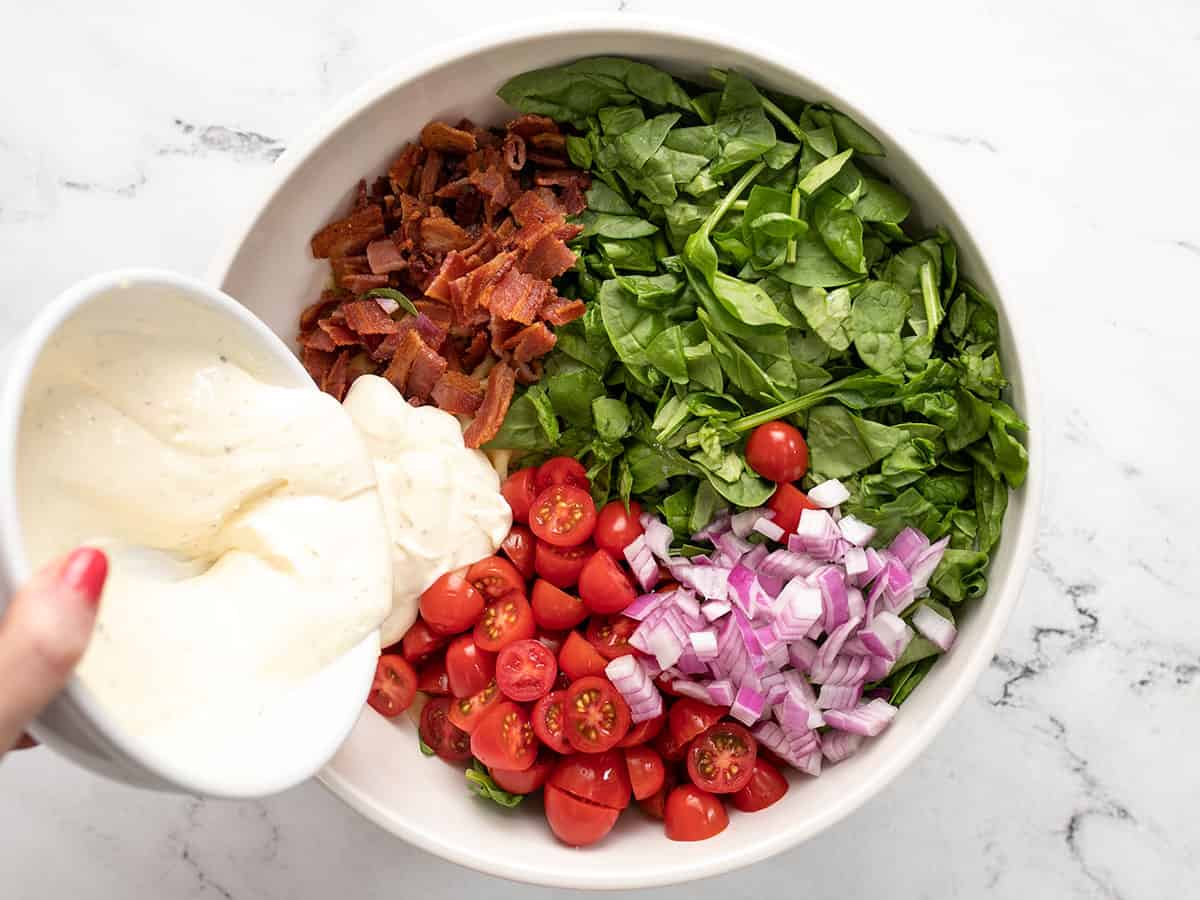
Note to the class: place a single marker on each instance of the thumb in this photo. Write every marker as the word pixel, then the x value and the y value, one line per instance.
pixel 43 635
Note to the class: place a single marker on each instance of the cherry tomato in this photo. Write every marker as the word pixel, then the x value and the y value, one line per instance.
pixel 596 715
pixel 495 577
pixel 432 678
pixel 547 721
pixel 552 640
pixel 671 749
pixel 646 771
pixel 451 604
pixel 694 815
pixel 420 641
pixel 554 608
pixel 578 658
pixel 561 565
pixel 504 621
pixel 465 712
pixel 600 778
pixel 441 735
pixel 468 669
pixel 643 732
pixel 610 635
pixel 562 470
pixel 519 490
pixel 394 687
pixel 563 515
pixel 689 717
pixel 603 586
pixel 765 786
pixel 777 452
pixel 518 547
pixel 617 528
pixel 525 671
pixel 788 502
pixel 504 738
pixel 655 805
pixel 525 781
pixel 576 822
pixel 721 760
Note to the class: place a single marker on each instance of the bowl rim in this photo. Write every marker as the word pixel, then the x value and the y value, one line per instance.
pixel 1003 596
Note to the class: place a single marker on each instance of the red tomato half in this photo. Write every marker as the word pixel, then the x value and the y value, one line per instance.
pixel 563 515
pixel 777 452
pixel 671 749
pixel 466 712
pixel 525 781
pixel 504 621
pixel 526 670
pixel 519 489
pixel 495 577
pixel 451 605
pixel 420 641
pixel 596 715
pixel 646 771
pixel 788 502
pixel 694 815
pixel 765 786
pixel 603 585
pixel 468 669
pixel 643 732
pixel 518 547
pixel 600 778
pixel 721 760
pixel 432 678
pixel 441 735
pixel 655 805
pixel 689 717
pixel 562 470
pixel 554 608
pixel 610 635
pixel 576 822
pixel 617 528
pixel 394 687
pixel 547 720
pixel 561 565
pixel 504 738
pixel 578 658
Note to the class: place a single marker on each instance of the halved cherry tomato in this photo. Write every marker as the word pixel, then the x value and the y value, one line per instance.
pixel 689 717
pixel 495 577
pixel 721 760
pixel 504 738
pixel 655 805
pixel 562 470
pixel 788 502
pixel 551 640
pixel 465 712
pixel 504 621
pixel 610 635
pixel 525 671
pixel 617 527
pixel 646 771
pixel 394 687
pixel 547 720
pixel 561 565
pixel 432 678
pixel 420 641
pixel 777 452
pixel 603 585
pixel 671 749
pixel 578 658
pixel 694 815
pixel 576 822
pixel 554 608
pixel 596 715
pixel 563 515
pixel 525 781
pixel 518 547
pixel 441 735
pixel 643 732
pixel 765 786
pixel 601 778
pixel 468 669
pixel 451 604
pixel 520 489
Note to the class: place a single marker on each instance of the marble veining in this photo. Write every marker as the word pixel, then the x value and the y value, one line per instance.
pixel 1065 131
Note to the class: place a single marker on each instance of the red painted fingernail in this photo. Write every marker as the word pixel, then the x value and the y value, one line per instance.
pixel 85 571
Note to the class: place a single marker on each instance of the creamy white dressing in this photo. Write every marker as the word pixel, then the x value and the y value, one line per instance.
pixel 443 502
pixel 247 542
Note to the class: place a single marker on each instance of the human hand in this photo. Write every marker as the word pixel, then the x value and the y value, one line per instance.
pixel 43 635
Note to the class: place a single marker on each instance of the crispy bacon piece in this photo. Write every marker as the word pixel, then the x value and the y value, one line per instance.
pixel 514 152
pixel 335 380
pixel 345 266
pixel 441 137
pixel 502 330
pixel 550 142
pixel 319 310
pixel 530 372
pixel 402 362
pixel 458 393
pixel 468 294
pixel 496 185
pixel 454 266
pixel 365 317
pixel 537 207
pixel 518 297
pixel 317 339
pixel 386 349
pixel 400 172
pixel 360 284
pixel 441 314
pixel 496 398
pixel 383 256
pixel 531 342
pixel 441 235
pixel 547 259
pixel 560 311
pixel 350 235
pixel 317 362
pixel 339 334
pixel 430 174
pixel 475 352
pixel 530 124
pixel 427 367
pixel 427 330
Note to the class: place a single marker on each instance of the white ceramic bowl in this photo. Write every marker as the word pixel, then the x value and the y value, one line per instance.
pixel 267 266
pixel 289 743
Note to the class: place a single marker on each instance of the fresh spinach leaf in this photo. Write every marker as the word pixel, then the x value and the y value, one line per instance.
pixel 877 315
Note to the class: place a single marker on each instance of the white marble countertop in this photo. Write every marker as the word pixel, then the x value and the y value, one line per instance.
pixel 131 133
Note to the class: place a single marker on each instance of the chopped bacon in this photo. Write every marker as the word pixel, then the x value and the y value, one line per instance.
pixel 318 339
pixel 537 206
pixel 335 380
pixel 350 235
pixel 401 364
pixel 427 330
pixel 468 294
pixel 387 348
pixel 560 311
pixel 531 342
pixel 514 152
pixel 475 352
pixel 401 171
pixel 552 142
pixel 441 314
pixel 530 124
pixel 458 393
pixel 345 266
pixel 441 137
pixel 441 235
pixel 453 267
pixel 319 310
pixel 502 330
pixel 428 366
pixel 359 284
pixel 496 398
pixel 384 256
pixel 496 185
pixel 366 317
pixel 547 259
pixel 530 372
pixel 339 333
pixel 518 297
pixel 430 174
pixel 317 362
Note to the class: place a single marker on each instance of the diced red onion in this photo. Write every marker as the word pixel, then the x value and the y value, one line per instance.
pixel 704 644
pixel 732 545
pixel 742 524
pixel 689 663
pixel 829 494
pixel 840 696
pixel 885 635
pixel 755 556
pixel 768 529
pixel 747 706
pixel 787 564
pixel 658 536
pixel 839 745
pixel 935 626
pixel 868 719
pixel 693 689
pixel 710 582
pixel 836 602
pixel 645 569
pixel 718 525
pixel 926 562
pixel 644 605
pixel 816 534
pixel 635 548
pixel 631 681
pixel 652 709
pixel 856 531
pixel 714 610
pixel 832 647
pixel 906 545
pixel 855 561
pixel 721 692
pixel 802 654
pixel 855 603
